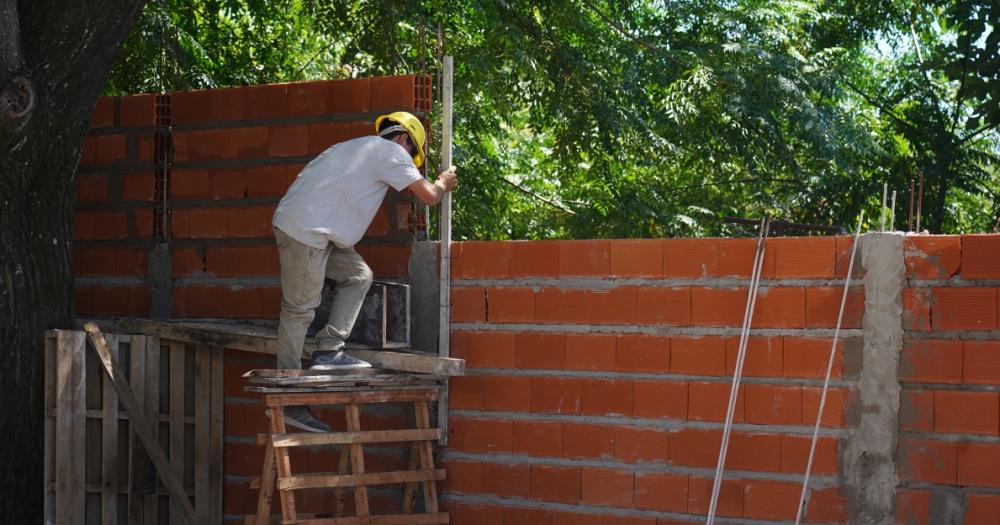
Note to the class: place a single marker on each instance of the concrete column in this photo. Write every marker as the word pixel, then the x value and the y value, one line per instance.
pixel 424 296
pixel 868 464
pixel 161 285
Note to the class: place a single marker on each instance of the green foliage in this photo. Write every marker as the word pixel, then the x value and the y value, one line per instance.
pixel 605 118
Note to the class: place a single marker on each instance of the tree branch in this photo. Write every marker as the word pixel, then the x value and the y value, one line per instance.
pixel 961 84
pixel 978 132
pixel 882 108
pixel 526 191
pixel 621 30
pixel 927 79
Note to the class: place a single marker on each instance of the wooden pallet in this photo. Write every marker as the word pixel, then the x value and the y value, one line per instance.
pixel 96 469
pixel 351 474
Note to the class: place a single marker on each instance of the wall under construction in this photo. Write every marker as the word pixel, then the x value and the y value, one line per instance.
pixel 599 374
pixel 598 370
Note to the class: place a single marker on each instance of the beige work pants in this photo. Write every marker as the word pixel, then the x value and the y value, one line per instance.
pixel 303 269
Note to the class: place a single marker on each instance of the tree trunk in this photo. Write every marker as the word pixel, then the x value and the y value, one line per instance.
pixel 55 57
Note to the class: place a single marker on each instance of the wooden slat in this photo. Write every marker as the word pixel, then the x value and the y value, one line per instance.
pixel 202 430
pixel 177 423
pixel 109 443
pixel 138 422
pixel 94 488
pixel 315 481
pixel 150 348
pixel 70 427
pixel 136 458
pixel 254 339
pixel 49 501
pixel 411 362
pixel 426 457
pixel 266 486
pixel 339 398
pixel 345 438
pixel 122 416
pixel 334 380
pixel 215 474
pixel 410 490
pixel 282 464
pixel 357 461
pixel 343 464
pixel 308 390
pixel 385 519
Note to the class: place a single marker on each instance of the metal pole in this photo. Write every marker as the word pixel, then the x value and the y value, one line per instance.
pixel 758 265
pixel 444 326
pixel 881 211
pixel 909 221
pixel 829 368
pixel 892 213
pixel 920 198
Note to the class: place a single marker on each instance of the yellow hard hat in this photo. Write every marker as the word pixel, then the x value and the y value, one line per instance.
pixel 412 126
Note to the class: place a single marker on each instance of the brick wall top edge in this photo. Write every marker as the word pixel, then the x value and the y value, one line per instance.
pixel 296 83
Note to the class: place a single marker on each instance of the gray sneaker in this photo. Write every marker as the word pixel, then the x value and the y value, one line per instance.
pixel 337 360
pixel 301 418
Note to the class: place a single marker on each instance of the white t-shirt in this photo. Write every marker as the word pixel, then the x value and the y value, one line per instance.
pixel 336 195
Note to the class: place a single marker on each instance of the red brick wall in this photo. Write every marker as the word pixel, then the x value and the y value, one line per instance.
pixel 235 151
pixel 599 374
pixel 950 372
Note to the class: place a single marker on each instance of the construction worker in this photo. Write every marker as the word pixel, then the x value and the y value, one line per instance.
pixel 322 216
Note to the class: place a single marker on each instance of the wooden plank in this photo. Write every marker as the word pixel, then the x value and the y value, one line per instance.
pixel 202 424
pixel 150 347
pixel 346 438
pixel 122 416
pixel 426 457
pixel 385 519
pixel 138 421
pixel 334 381
pixel 353 388
pixel 266 493
pixel 136 454
pixel 410 490
pixel 109 443
pixel 215 474
pixel 255 339
pixel 361 509
pixel 49 477
pixel 444 245
pixel 177 423
pixel 411 362
pixel 343 464
pixel 340 398
pixel 282 464
pixel 70 427
pixel 282 373
pixel 315 481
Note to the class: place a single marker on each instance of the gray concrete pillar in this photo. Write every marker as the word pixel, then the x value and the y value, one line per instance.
pixel 868 464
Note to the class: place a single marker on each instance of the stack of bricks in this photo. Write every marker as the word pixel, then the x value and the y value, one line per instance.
pixel 949 450
pixel 235 152
pixel 599 374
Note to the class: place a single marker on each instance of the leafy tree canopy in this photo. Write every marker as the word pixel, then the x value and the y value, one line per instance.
pixel 637 118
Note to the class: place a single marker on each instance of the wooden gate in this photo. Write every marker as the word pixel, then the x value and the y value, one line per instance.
pixel 96 470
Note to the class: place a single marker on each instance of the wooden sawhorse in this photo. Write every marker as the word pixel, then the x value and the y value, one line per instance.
pixel 277 471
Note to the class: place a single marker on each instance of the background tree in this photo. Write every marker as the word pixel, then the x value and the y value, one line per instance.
pixel 54 60
pixel 592 118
